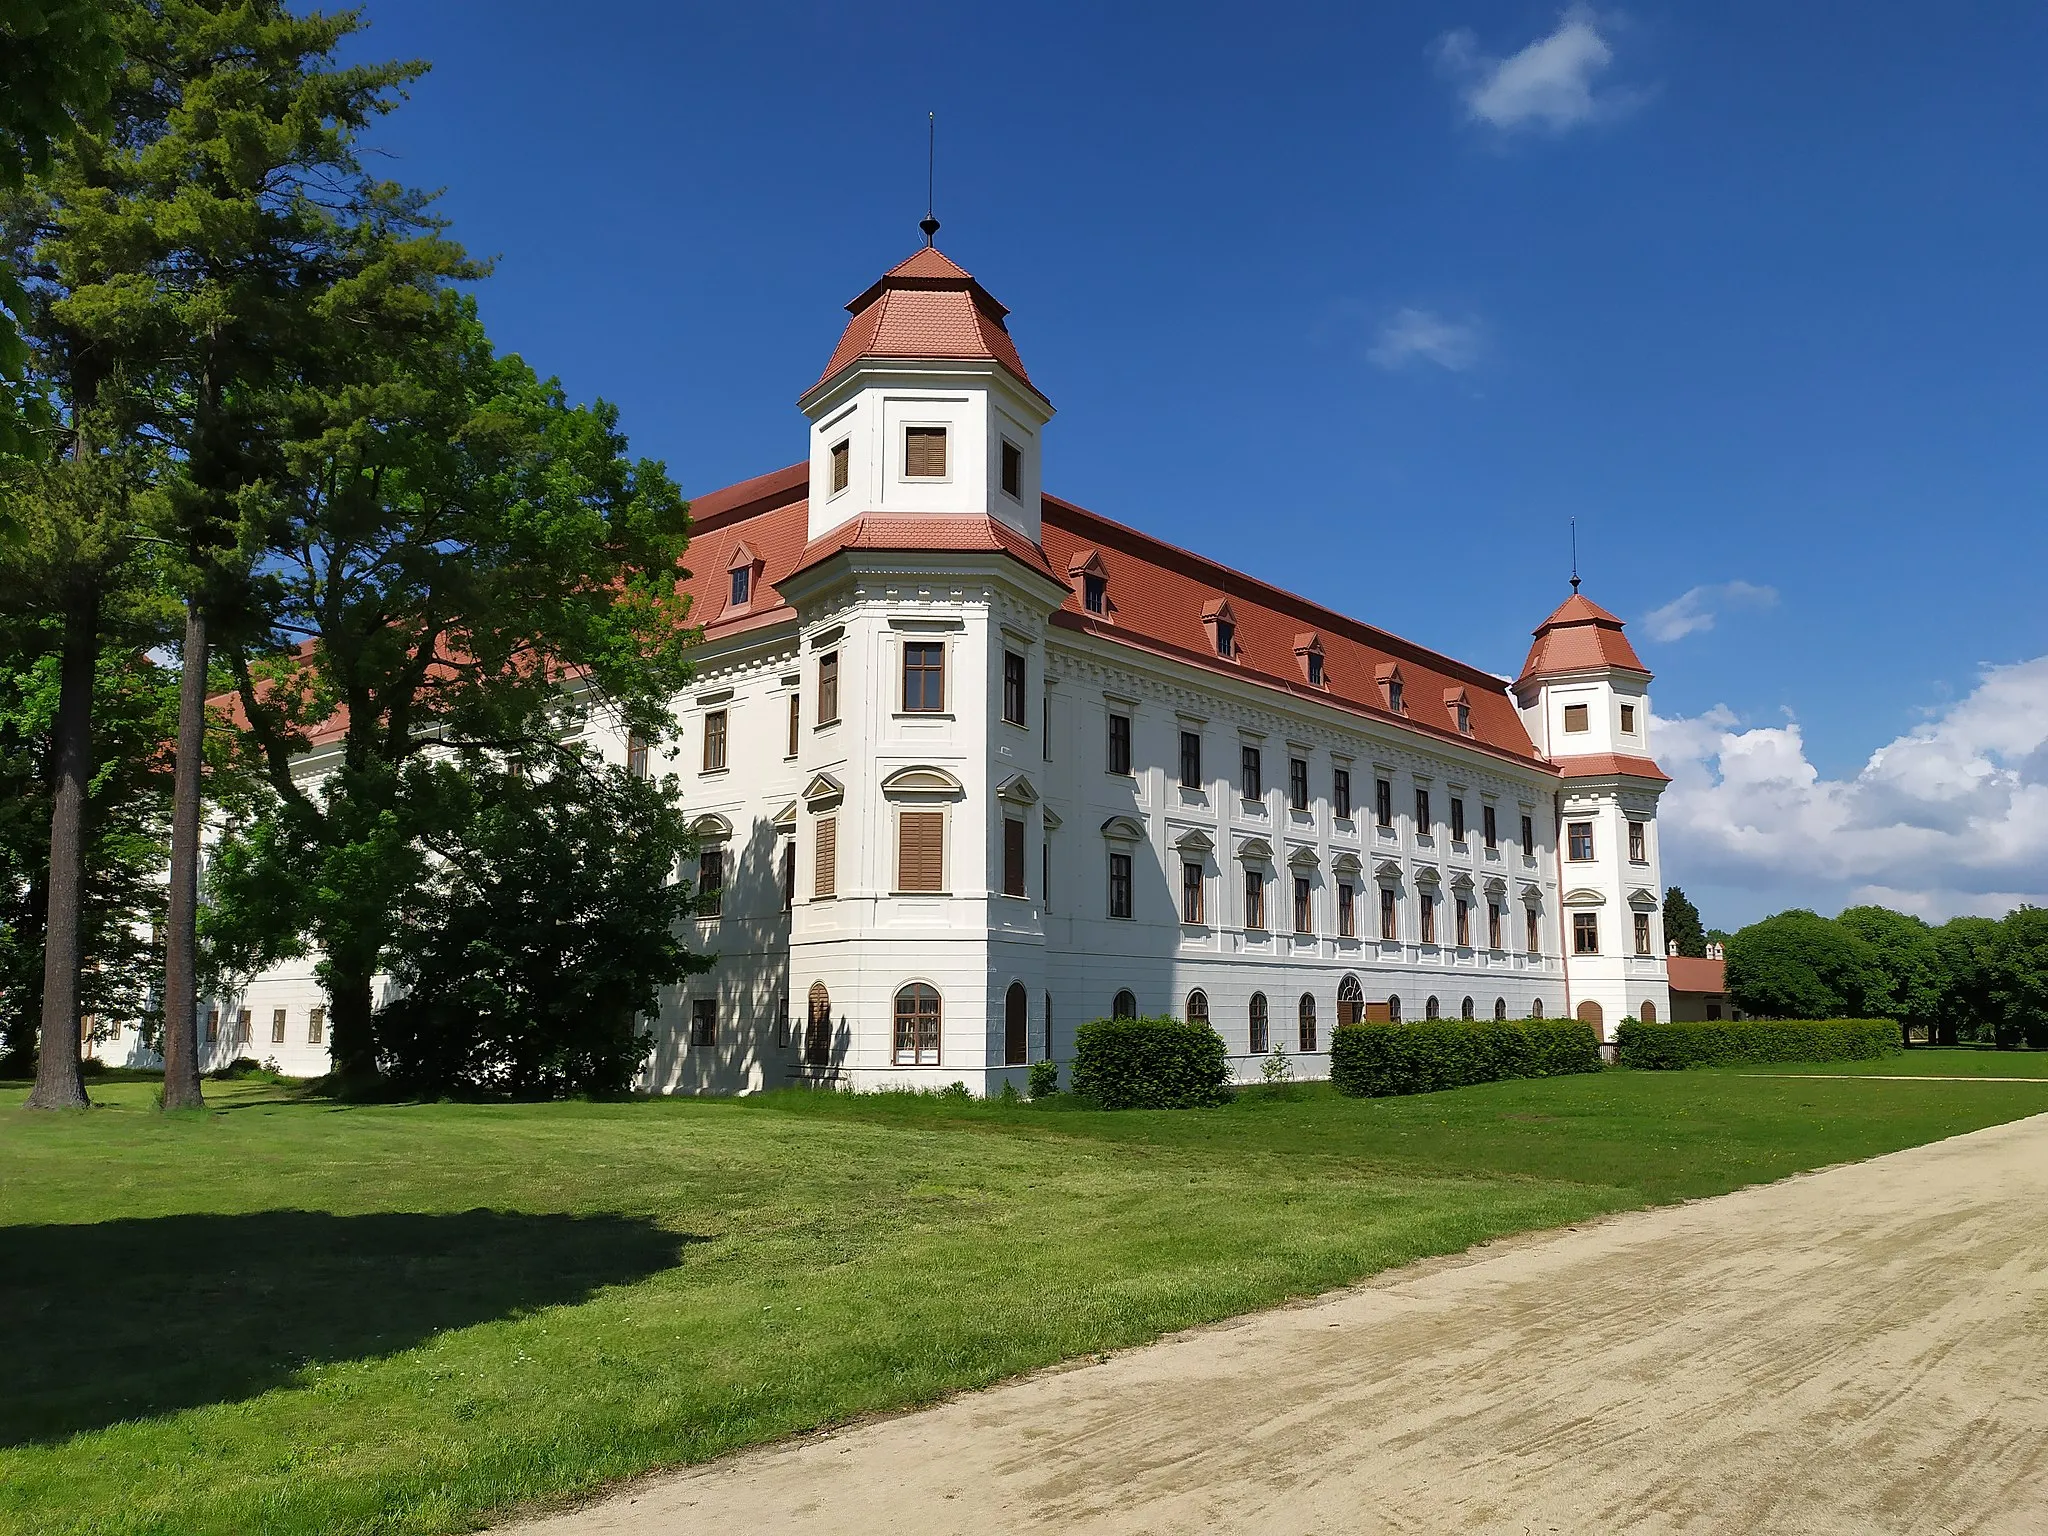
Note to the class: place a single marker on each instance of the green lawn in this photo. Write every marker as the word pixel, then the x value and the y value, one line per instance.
pixel 1921 1061
pixel 294 1316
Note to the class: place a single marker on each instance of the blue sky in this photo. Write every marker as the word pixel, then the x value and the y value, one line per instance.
pixel 1370 301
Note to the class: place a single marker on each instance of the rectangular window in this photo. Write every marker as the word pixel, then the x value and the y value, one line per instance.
pixel 1383 802
pixel 316 1026
pixel 788 876
pixel 1528 838
pixel 1464 917
pixel 277 1026
pixel 1095 593
pixel 1425 824
pixel 920 850
pixel 1190 760
pixel 1575 718
pixel 1045 723
pixel 1489 827
pixel 1013 688
pixel 636 755
pixel 924 677
pixel 242 1026
pixel 1119 743
pixel 1347 911
pixel 711 882
pixel 1191 883
pixel 714 741
pixel 1297 783
pixel 825 856
pixel 1119 885
pixel 212 1025
pixel 1428 909
pixel 1013 856
pixel 704 1021
pixel 1628 719
pixel 1532 939
pixel 742 585
pixel 1390 917
pixel 1580 836
pixel 924 453
pixel 842 466
pixel 1457 819
pixel 1493 925
pixel 1045 873
pixel 828 688
pixel 1585 933
pixel 1315 669
pixel 1304 916
pixel 1253 784
pixel 1013 471
pixel 1254 901
pixel 1642 933
pixel 796 723
pixel 1638 852
pixel 1340 793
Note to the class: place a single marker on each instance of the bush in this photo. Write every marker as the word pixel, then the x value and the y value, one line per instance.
pixel 1376 1060
pixel 1149 1064
pixel 1722 1042
pixel 1044 1079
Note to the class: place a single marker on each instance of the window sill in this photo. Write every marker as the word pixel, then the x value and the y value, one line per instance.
pixel 1250 806
pixel 923 714
pixel 1461 849
pixel 1424 840
pixel 1345 825
pixel 920 893
pixel 712 773
pixel 826 725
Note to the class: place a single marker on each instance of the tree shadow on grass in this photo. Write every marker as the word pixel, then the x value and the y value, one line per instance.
pixel 122 1319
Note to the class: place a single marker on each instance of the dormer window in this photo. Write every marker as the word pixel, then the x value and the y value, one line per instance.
pixel 1459 703
pixel 1221 622
pixel 1389 678
pixel 742 586
pixel 1095 593
pixel 743 572
pixel 1226 637
pixel 1315 669
pixel 924 453
pixel 842 466
pixel 1308 651
pixel 1013 470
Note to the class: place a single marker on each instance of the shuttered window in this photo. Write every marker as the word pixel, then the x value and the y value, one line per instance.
pixel 1013 856
pixel 842 466
pixel 924 453
pixel 828 688
pixel 825 877
pixel 1575 718
pixel 920 851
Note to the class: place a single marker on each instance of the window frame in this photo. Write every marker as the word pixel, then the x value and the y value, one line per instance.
pixel 824 871
pixel 1304 907
pixel 1583 714
pixel 316 1026
pixel 1390 916
pixel 1493 926
pixel 828 689
pixel 1251 772
pixel 1457 818
pixel 717 729
pixel 710 898
pixel 1425 816
pixel 703 1023
pixel 1528 837
pixel 1013 856
pixel 1016 679
pixel 1254 900
pixel 1642 934
pixel 926 817
pixel 1638 841
pixel 1258 1024
pixel 1190 759
pixel 1578 836
pixel 1340 793
pixel 740 587
pixel 1123 883
pixel 1297 783
pixel 1461 916
pixel 1010 470
pixel 1383 802
pixel 840 466
pixel 924 660
pixel 1585 933
pixel 1489 828
pixel 1425 908
pixel 1118 740
pixel 913 1051
pixel 1347 910
pixel 1094 593
pixel 927 432
pixel 1194 881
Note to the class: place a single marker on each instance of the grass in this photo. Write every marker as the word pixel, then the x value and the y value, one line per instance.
pixel 288 1315
pixel 1939 1061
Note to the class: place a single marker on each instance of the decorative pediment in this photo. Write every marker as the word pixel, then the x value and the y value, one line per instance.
pixel 1461 881
pixel 1051 818
pixel 1086 562
pixel 1388 676
pixel 785 819
pixel 1458 705
pixel 1219 620
pixel 1496 886
pixel 1387 870
pixel 742 557
pixel 1585 896
pixel 1254 850
pixel 1428 875
pixel 1308 658
pixel 822 789
pixel 711 829
pixel 1346 863
pixel 921 780
pixel 1123 829
pixel 1219 608
pixel 1195 840
pixel 1532 896
pixel 1303 857
pixel 1017 790
pixel 1643 900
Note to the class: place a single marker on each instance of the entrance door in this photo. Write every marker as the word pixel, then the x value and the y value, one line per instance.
pixel 1016 1031
pixel 818 1028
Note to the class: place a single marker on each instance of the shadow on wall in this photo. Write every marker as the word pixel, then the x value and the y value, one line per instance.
pixel 121 1319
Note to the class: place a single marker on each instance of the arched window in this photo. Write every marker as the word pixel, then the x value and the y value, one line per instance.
pixel 1394 1009
pixel 818 1027
pixel 1589 1013
pixel 1016 1026
pixel 1350 1001
pixel 1198 1007
pixel 1649 1013
pixel 1308 1022
pixel 1258 1024
pixel 1536 1009
pixel 1125 1006
pixel 917 1026
pixel 1432 1009
pixel 1465 1009
pixel 1500 1008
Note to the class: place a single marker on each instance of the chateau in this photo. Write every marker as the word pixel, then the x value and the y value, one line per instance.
pixel 972 765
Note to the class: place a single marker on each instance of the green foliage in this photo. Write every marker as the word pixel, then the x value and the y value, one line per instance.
pixel 1727 1043
pixel 1381 1060
pixel 1970 1007
pixel 1276 1068
pixel 1682 924
pixel 1043 1081
pixel 1158 1063
pixel 1907 954
pixel 1800 965
pixel 2020 987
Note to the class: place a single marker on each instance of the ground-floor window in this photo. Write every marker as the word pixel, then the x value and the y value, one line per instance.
pixel 1198 1007
pixel 917 1026
pixel 1585 933
pixel 316 1026
pixel 1308 1021
pixel 704 1021
pixel 1258 1024
pixel 1125 1006
pixel 1350 1001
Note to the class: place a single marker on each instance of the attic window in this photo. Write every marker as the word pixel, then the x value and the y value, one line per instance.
pixel 1013 470
pixel 842 471
pixel 1389 678
pixel 742 585
pixel 924 453
pixel 1095 593
pixel 1221 623
pixel 1460 706
pixel 1226 637
pixel 1315 669
pixel 1464 718
pixel 1308 650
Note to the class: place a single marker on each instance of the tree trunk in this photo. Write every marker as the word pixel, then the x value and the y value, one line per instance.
pixel 60 1083
pixel 181 935
pixel 352 1043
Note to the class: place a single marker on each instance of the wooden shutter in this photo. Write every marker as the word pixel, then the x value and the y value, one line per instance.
pixel 920 851
pixel 840 463
pixel 826 877
pixel 924 453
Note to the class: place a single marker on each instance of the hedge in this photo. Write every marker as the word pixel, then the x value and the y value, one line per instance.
pixel 1725 1042
pixel 1149 1064
pixel 1375 1060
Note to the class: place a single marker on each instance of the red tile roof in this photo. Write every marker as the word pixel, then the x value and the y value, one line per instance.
pixel 1690 975
pixel 1580 637
pixel 927 307
pixel 1589 765
pixel 945 534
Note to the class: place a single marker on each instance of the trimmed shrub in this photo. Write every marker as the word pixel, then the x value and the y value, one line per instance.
pixel 1725 1042
pixel 1149 1064
pixel 1044 1079
pixel 1376 1060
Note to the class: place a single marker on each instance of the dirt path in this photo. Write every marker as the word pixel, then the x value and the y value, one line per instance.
pixel 1860 1350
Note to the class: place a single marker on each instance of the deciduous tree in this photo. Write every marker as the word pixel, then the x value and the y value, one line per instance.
pixel 1800 965
pixel 1905 951
pixel 1969 961
pixel 2020 977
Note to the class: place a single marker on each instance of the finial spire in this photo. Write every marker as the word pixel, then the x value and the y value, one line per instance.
pixel 929 223
pixel 1575 557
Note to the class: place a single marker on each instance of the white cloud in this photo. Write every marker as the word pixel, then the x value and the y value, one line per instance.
pixel 1950 817
pixel 1549 84
pixel 1696 609
pixel 1421 333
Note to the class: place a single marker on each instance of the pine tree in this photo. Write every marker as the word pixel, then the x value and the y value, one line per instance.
pixel 1682 924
